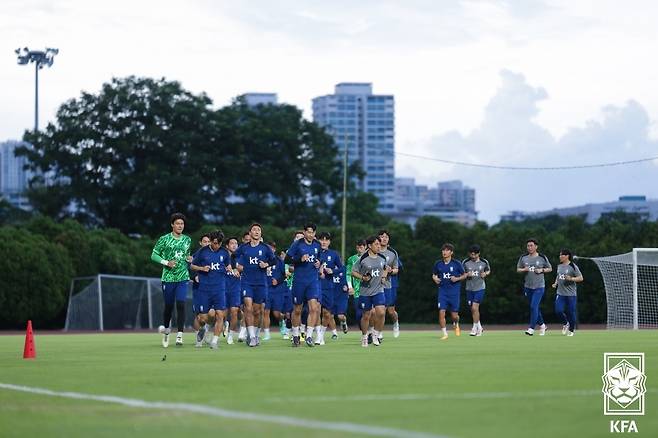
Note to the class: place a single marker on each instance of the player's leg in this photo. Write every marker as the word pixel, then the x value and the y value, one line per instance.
pixel 267 310
pixel 560 302
pixel 181 296
pixel 365 304
pixel 298 307
pixel 571 314
pixel 537 297
pixel 248 309
pixel 168 294
pixel 530 294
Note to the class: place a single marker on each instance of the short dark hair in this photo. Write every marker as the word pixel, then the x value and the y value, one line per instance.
pixel 298 232
pixel 218 235
pixel 255 224
pixel 533 240
pixel 474 248
pixel 272 244
pixel 310 225
pixel 246 233
pixel 324 235
pixel 371 239
pixel 449 246
pixel 204 235
pixel 567 252
pixel 232 238
pixel 382 232
pixel 361 242
pixel 176 216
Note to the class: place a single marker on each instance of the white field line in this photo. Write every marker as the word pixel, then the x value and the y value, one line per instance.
pixel 218 412
pixel 443 396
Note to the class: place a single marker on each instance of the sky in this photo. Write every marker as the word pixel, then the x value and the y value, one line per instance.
pixel 513 82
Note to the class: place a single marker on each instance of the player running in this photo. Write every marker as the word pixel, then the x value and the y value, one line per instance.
pixel 304 255
pixel 477 269
pixel 276 288
pixel 447 274
pixel 372 269
pixel 392 260
pixel 198 324
pixel 354 284
pixel 568 274
pixel 232 290
pixel 171 251
pixel 253 260
pixel 212 263
pixel 535 265
pixel 330 265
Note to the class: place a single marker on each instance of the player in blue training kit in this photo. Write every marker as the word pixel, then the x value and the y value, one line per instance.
pixel 198 324
pixel 330 263
pixel 447 274
pixel 304 256
pixel 253 260
pixel 341 298
pixel 211 263
pixel 276 277
pixel 233 290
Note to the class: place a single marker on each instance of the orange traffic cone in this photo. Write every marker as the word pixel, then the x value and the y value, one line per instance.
pixel 29 352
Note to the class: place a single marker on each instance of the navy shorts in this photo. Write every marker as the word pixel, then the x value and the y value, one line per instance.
pixel 367 303
pixel 287 300
pixel 174 291
pixel 391 296
pixel 275 298
pixel 257 292
pixel 448 301
pixel 474 296
pixel 304 291
pixel 340 301
pixel 327 300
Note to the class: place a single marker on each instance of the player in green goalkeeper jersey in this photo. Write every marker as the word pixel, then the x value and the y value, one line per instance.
pixel 353 284
pixel 172 251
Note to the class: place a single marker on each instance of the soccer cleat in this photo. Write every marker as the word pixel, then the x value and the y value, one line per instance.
pixel 343 325
pixel 565 328
pixel 286 335
pixel 480 330
pixel 179 339
pixel 229 339
pixel 444 337
pixel 165 340
pixel 530 332
pixel 474 331
pixel 253 342
pixel 207 337
pixel 309 341
pixel 225 332
pixel 295 341
pixel 381 340
pixel 267 336
pixel 334 337
pixel 375 341
pixel 303 335
pixel 242 335
pixel 458 331
pixel 369 338
pixel 542 330
pixel 364 341
pixel 396 330
pixel 570 334
pixel 200 336
pixel 214 345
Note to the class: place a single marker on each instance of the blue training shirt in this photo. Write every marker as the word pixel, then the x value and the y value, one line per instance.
pixel 445 271
pixel 305 271
pixel 330 259
pixel 217 260
pixel 249 257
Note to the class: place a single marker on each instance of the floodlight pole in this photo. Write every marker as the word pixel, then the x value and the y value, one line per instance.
pixel 40 59
pixel 36 97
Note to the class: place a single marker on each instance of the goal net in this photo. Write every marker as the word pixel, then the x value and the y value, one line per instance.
pixel 116 302
pixel 631 288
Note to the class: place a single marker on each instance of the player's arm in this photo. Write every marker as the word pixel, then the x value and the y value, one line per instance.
pixel 578 278
pixel 520 267
pixel 463 275
pixel 156 255
pixel 435 275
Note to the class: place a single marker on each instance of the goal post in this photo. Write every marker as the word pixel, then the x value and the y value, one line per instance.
pixel 116 302
pixel 631 288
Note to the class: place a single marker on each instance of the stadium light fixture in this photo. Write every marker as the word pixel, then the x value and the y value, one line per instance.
pixel 41 59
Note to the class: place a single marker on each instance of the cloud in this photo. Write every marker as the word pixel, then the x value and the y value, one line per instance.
pixel 510 136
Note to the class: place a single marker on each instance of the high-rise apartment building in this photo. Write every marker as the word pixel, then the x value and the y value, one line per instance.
pixel 364 123
pixel 13 176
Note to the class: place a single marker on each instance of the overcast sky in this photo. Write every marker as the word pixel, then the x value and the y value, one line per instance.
pixel 516 82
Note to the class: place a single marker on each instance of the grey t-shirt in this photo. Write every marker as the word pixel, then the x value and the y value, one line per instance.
pixel 476 282
pixel 392 261
pixel 564 287
pixel 533 280
pixel 373 266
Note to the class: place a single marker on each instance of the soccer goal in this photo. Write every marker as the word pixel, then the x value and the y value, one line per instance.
pixel 631 288
pixel 116 302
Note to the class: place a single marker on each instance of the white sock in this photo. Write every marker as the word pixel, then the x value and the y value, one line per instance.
pixel 232 333
pixel 295 331
pixel 179 334
pixel 303 328
pixel 267 331
pixel 444 330
pixel 334 332
pixel 320 329
pixel 252 331
pixel 215 339
pixel 375 333
pixel 309 332
pixel 370 330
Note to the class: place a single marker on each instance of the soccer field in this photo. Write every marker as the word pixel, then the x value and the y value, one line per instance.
pixel 503 384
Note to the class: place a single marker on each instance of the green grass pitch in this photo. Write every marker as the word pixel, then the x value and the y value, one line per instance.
pixel 503 384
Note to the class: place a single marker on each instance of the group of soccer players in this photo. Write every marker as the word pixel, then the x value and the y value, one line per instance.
pixel 307 286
